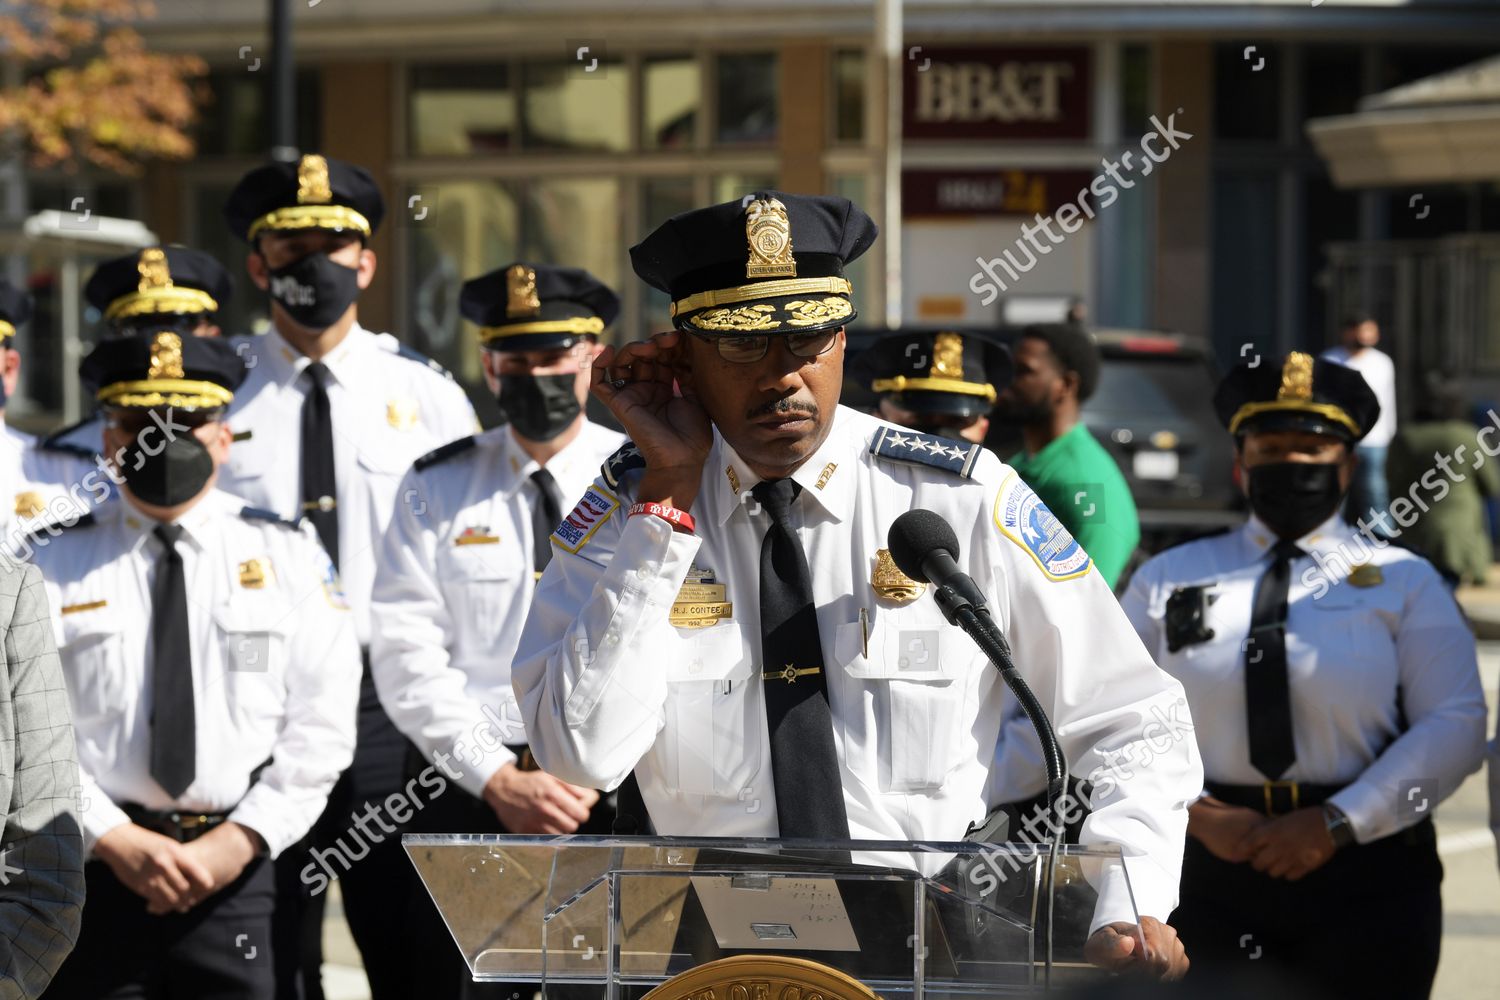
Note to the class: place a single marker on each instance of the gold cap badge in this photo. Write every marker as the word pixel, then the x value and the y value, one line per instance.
pixel 166 356
pixel 312 181
pixel 153 270
pixel 1296 377
pixel 948 356
pixel 890 584
pixel 520 292
pixel 769 233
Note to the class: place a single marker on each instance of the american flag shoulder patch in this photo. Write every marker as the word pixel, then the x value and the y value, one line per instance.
pixel 575 529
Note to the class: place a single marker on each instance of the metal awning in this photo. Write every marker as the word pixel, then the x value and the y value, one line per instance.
pixel 1442 129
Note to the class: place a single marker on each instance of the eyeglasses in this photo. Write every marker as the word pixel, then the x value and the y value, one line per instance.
pixel 749 348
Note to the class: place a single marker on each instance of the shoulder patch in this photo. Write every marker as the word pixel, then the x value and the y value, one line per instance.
pixel 575 529
pixel 443 453
pixel 1024 519
pixel 626 458
pixel 412 354
pixel 916 448
pixel 261 514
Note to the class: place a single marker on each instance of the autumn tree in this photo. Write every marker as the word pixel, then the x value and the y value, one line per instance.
pixel 91 92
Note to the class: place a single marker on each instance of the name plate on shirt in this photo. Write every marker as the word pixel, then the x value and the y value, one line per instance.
pixel 701 601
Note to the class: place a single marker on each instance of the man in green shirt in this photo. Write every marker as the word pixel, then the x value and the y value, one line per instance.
pixel 1056 370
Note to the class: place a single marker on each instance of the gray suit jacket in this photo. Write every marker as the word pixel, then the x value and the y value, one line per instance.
pixel 41 867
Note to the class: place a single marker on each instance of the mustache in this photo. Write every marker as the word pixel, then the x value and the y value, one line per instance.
pixel 783 406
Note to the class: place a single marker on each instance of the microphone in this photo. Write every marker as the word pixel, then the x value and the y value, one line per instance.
pixel 924 547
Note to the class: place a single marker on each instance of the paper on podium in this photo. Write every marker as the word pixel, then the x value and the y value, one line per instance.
pixel 758 912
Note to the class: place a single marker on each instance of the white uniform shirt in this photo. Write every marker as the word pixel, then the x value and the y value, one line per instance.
pixel 275 666
pixel 607 684
pixel 388 410
pixel 43 485
pixel 1379 372
pixel 87 435
pixel 452 591
pixel 1348 648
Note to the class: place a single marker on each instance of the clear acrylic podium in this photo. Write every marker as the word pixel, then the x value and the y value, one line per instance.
pixel 609 918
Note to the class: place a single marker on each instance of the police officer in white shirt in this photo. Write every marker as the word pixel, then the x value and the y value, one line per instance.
pixel 727 651
pixel 1335 686
pixel 212 672
pixel 46 484
pixel 157 288
pixel 459 564
pixel 329 419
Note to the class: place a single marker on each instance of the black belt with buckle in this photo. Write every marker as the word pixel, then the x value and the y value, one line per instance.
pixel 1273 798
pixel 180 826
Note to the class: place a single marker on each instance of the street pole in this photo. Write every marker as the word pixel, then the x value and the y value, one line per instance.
pixel 283 79
pixel 888 32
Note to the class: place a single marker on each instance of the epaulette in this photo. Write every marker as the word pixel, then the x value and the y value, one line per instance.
pixel 54 528
pixel 54 441
pixel 957 457
pixel 443 453
pixel 261 514
pixel 412 354
pixel 625 459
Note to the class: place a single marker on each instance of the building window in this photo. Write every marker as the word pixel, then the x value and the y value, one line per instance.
pixel 1247 91
pixel 661 198
pixel 671 95
pixel 849 95
pixel 1246 246
pixel 1135 89
pixel 460 110
pixel 567 107
pixel 747 95
pixel 235 122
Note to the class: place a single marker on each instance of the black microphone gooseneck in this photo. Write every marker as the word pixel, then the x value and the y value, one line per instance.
pixel 924 547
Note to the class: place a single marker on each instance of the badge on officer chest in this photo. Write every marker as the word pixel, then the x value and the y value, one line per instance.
pixel 254 573
pixel 701 601
pixel 890 584
pixel 29 504
pixel 401 414
pixel 1366 575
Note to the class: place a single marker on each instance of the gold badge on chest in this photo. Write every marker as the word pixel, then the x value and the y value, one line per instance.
pixel 254 573
pixel 1366 575
pixel 701 602
pixel 401 414
pixel 890 584
pixel 29 504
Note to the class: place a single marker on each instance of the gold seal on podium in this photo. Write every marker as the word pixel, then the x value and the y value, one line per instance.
pixel 762 977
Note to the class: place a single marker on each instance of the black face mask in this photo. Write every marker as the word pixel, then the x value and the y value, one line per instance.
pixel 1293 498
pixel 539 407
pixel 174 475
pixel 315 290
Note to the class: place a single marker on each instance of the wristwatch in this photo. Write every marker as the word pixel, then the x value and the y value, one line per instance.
pixel 1340 830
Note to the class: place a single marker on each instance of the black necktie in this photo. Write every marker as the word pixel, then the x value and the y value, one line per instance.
pixel 319 491
pixel 173 724
pixel 544 518
pixel 1268 698
pixel 804 762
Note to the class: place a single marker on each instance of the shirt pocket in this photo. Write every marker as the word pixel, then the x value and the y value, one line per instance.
pixel 254 637
pixel 713 742
pixel 916 676
pixel 481 581
pixel 94 654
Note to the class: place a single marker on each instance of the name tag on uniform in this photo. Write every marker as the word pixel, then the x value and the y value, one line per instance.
pixel 701 601
pixel 476 535
pixel 73 609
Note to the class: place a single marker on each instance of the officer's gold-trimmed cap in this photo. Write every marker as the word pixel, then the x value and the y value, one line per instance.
pixel 770 263
pixel 528 307
pixel 935 370
pixel 315 192
pixel 158 281
pixel 1297 392
pixel 164 369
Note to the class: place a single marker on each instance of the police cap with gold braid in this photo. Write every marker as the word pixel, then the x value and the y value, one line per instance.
pixel 316 192
pixel 158 282
pixel 15 309
pixel 771 263
pixel 164 369
pixel 1297 393
pixel 533 307
pixel 935 371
